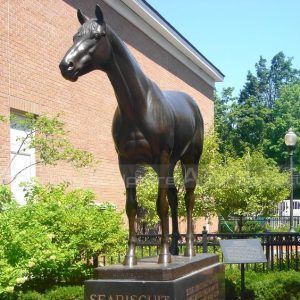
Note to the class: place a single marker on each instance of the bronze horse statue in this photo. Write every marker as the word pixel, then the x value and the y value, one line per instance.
pixel 150 126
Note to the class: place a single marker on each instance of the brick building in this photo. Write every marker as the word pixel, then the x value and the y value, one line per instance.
pixel 35 34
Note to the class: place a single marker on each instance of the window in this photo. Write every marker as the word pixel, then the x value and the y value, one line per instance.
pixel 22 167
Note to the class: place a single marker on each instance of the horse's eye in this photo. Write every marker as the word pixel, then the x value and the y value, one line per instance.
pixel 97 36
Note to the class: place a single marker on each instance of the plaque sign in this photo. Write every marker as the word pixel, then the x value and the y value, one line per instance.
pixel 242 251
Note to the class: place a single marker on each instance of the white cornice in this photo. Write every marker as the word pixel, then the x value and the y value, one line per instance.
pixel 140 15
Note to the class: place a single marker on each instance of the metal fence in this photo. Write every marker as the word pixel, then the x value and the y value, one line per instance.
pixel 281 249
pixel 280 221
pixel 275 222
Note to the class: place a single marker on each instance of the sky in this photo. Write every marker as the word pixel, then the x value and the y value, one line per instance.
pixel 233 34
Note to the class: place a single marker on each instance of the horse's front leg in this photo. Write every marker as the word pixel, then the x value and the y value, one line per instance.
pixel 162 209
pixel 128 174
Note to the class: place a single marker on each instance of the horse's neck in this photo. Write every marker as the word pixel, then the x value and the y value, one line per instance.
pixel 129 82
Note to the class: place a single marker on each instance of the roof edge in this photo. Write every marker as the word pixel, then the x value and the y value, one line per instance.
pixel 176 32
pixel 147 19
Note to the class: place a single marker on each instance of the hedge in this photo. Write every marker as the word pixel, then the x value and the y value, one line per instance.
pixel 60 293
pixel 280 285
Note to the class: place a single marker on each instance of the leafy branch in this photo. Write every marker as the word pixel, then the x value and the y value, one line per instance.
pixel 48 137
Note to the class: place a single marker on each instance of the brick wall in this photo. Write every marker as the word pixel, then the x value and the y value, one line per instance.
pixel 35 34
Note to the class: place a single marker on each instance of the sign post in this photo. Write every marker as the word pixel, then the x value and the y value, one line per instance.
pixel 242 251
pixel 243 281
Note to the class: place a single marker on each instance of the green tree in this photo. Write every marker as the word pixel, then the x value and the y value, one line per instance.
pixel 248 123
pixel 267 83
pixel 250 89
pixel 227 186
pixel 285 114
pixel 47 135
pixel 224 119
pixel 239 126
pixel 265 109
pixel 247 185
pixel 282 73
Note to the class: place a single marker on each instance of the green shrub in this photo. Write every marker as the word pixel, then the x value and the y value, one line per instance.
pixel 6 198
pixel 253 227
pixel 277 285
pixel 281 285
pixel 57 293
pixel 31 295
pixel 249 226
pixel 52 238
pixel 65 293
pixel 281 228
pixel 232 283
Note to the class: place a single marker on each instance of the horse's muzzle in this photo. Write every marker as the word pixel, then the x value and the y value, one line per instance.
pixel 68 70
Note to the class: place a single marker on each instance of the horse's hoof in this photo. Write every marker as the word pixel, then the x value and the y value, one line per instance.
pixel 130 261
pixel 189 251
pixel 164 258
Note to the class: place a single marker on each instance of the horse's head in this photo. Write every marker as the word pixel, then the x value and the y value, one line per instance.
pixel 90 50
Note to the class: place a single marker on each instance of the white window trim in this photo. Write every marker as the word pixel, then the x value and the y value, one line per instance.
pixel 16 153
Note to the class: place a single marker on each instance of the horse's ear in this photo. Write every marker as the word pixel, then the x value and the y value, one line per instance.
pixel 81 17
pixel 99 14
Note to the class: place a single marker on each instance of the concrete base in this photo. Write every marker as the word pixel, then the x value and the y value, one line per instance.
pixel 201 277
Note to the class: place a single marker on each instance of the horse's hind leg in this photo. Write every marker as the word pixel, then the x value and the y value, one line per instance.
pixel 173 202
pixel 190 163
pixel 190 172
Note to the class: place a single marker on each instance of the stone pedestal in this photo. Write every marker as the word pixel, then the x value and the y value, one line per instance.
pixel 200 277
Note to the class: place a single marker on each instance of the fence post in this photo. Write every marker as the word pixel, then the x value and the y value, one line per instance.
pixel 204 240
pixel 268 248
pixel 95 260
